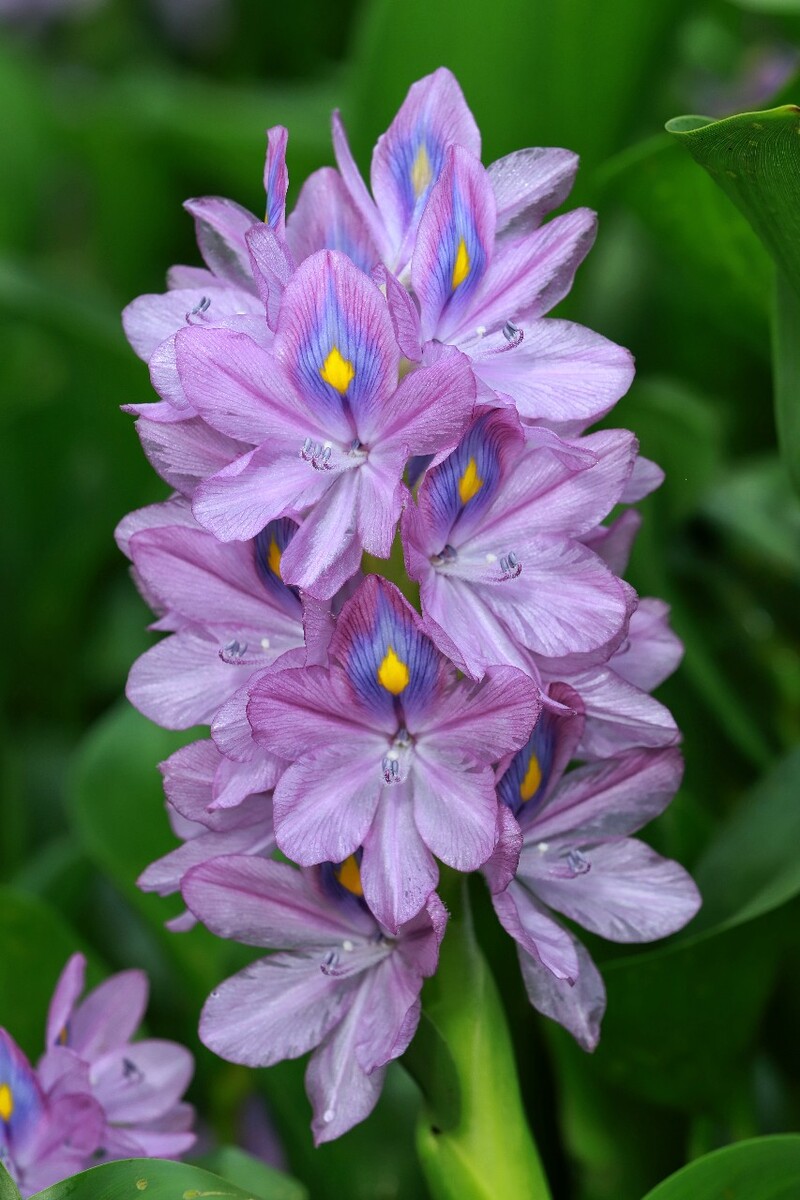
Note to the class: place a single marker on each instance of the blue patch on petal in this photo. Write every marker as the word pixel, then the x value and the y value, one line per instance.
pixel 394 667
pixel 268 548
pixel 467 480
pixel 21 1103
pixel 340 365
pixel 341 882
pixel 460 257
pixel 416 164
pixel 528 775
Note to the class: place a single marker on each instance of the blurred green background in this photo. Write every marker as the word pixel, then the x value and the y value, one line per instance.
pixel 113 113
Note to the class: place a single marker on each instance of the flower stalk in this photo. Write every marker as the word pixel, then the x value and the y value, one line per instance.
pixel 489 1151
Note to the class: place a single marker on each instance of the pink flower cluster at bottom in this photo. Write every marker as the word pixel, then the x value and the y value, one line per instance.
pixel 95 1095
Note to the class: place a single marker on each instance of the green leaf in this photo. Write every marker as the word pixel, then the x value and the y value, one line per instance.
pixel 681 1017
pixel 489 1152
pixel 792 7
pixel 148 1179
pixel 663 1037
pixel 760 1169
pixel 254 1176
pixel 35 943
pixel 571 74
pixel 429 1062
pixel 8 1189
pixel 754 503
pixel 709 261
pixel 755 159
pixel 786 368
pixel 376 1158
pixel 117 797
pixel 753 867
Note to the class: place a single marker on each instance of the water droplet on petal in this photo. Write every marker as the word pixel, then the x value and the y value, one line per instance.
pixel 328 1115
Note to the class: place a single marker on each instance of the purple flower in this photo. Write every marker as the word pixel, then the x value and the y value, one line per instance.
pixel 487 296
pixel 225 295
pixel 407 162
pixel 341 985
pixel 202 815
pixel 495 542
pixel 620 714
pixel 138 1085
pixel 48 1130
pixel 225 607
pixel 389 751
pixel 578 860
pixel 332 428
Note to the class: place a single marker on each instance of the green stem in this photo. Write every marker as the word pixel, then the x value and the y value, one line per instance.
pixel 487 1151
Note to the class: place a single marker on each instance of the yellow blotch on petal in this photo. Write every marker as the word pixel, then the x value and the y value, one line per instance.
pixel 461 265
pixel 274 558
pixel 421 171
pixel 337 371
pixel 393 673
pixel 533 777
pixel 6 1102
pixel 349 876
pixel 470 482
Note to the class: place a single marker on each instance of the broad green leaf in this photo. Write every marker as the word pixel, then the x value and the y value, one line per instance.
pixel 596 1119
pixel 755 159
pixel 254 1176
pixel 429 1062
pixel 35 943
pixel 535 73
pixel 148 1179
pixel 26 142
pixel 786 367
pixel 754 503
pixel 662 1035
pixel 752 866
pixel 8 1189
pixel 376 1158
pixel 685 433
pixel 82 316
pixel 791 7
pixel 681 1017
pixel 709 261
pixel 118 801
pixel 489 1152
pixel 765 1168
